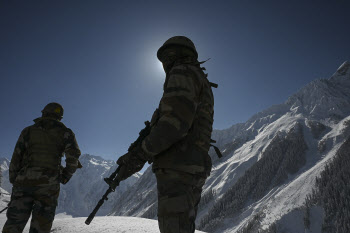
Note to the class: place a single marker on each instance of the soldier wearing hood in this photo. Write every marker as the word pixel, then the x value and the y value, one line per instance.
pixel 179 139
pixel 36 172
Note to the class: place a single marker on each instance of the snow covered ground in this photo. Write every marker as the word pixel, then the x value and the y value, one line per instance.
pixel 67 224
pixel 115 224
pixel 107 225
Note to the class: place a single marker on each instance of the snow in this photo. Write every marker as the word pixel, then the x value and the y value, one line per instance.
pixel 111 224
pixel 4 164
pixel 282 203
pixel 106 225
pixel 67 224
pixel 5 183
pixel 4 200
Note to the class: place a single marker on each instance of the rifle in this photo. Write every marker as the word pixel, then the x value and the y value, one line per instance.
pixel 113 180
pixel 113 183
pixel 4 209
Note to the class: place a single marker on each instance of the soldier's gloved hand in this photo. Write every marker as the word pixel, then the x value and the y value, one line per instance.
pixel 64 177
pixel 12 179
pixel 131 164
pixel 64 180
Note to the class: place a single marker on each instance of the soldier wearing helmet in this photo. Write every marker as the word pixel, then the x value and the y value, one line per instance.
pixel 36 171
pixel 180 137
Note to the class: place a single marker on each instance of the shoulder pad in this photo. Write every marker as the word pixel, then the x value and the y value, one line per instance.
pixel 61 124
pixel 70 131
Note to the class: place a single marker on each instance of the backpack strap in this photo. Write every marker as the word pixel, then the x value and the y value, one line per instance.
pixel 213 85
pixel 218 153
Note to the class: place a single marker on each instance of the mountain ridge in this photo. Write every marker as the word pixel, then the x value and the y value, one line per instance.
pixel 320 109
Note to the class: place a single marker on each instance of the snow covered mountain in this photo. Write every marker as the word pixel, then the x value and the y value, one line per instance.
pixel 140 200
pixel 4 198
pixel 80 195
pixel 269 166
pixel 4 164
pixel 5 183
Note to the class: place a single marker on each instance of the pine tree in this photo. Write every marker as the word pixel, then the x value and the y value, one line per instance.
pixel 332 192
pixel 285 155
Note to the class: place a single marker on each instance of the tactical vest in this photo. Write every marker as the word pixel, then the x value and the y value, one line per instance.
pixel 45 148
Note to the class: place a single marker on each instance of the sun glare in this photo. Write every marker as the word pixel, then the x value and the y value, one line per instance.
pixel 160 67
pixel 157 69
pixel 152 64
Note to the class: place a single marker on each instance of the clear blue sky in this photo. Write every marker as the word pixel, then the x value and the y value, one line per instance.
pixel 98 59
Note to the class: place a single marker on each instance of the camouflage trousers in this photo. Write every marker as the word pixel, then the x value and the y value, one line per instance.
pixel 179 194
pixel 41 202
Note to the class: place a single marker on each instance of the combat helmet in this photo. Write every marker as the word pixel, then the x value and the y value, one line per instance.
pixel 53 109
pixel 179 41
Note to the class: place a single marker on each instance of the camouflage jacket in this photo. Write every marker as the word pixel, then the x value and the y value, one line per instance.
pixel 36 160
pixel 182 124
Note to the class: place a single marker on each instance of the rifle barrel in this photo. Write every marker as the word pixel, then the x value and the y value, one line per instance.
pixel 99 204
pixel 4 210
